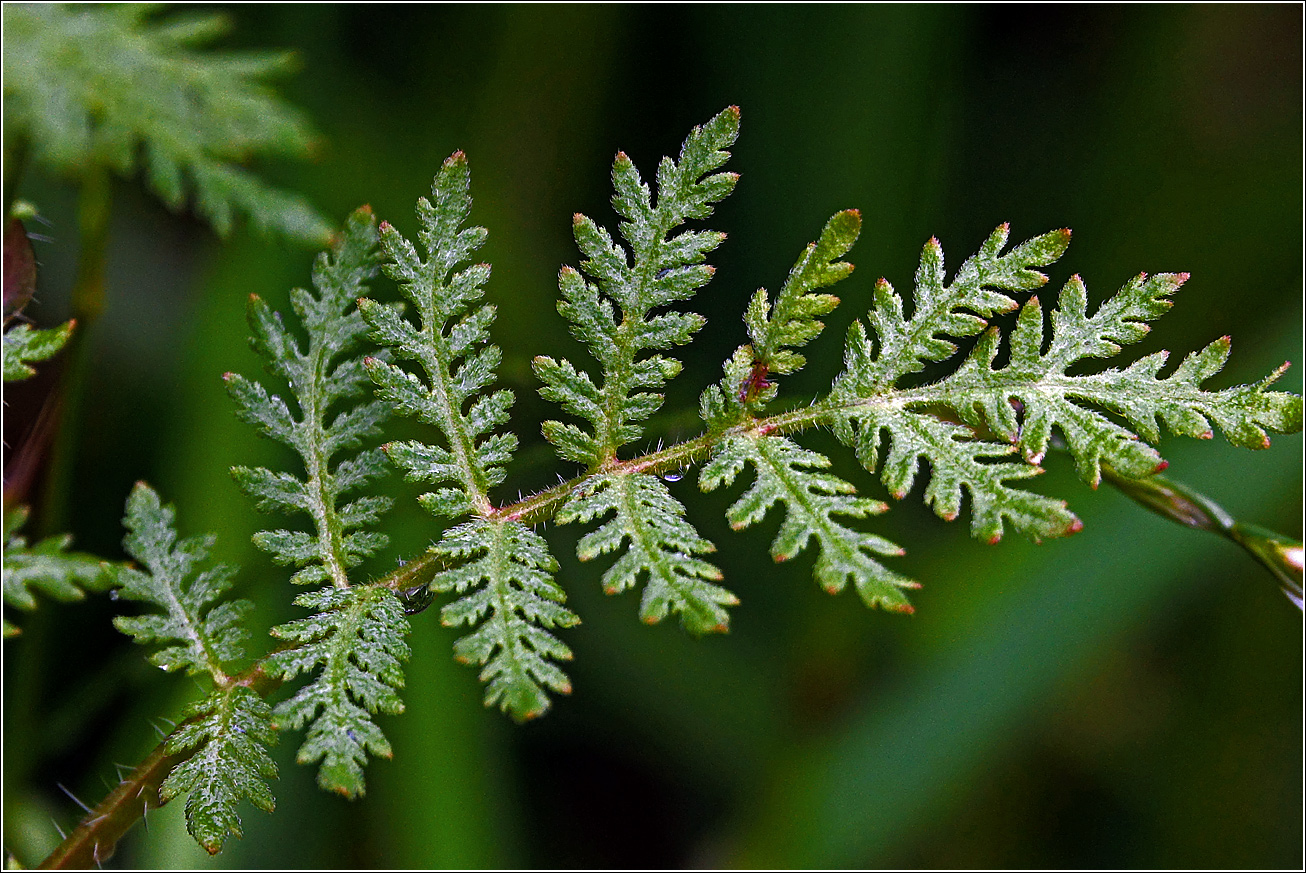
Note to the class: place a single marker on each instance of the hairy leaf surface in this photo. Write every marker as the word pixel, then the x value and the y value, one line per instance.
pixel 616 315
pixel 505 573
pixel 449 343
pixel 325 376
pixel 660 547
pixel 355 642
pixel 199 634
pixel 226 736
pixel 789 474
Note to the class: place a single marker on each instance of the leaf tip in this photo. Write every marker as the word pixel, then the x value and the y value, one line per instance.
pixel 995 539
pixel 1074 527
pixel 577 219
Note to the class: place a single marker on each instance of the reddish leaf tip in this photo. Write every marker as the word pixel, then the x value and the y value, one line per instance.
pixel 903 608
pixel 721 628
pixel 1074 527
pixel 366 208
pixel 577 218
pixel 647 619
pixel 384 226
pixel 1161 466
pixel 995 539
pixel 1205 435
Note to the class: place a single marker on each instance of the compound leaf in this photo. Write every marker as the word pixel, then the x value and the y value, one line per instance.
pixel 199 634
pixel 504 572
pixel 326 375
pixel 225 738
pixel 355 642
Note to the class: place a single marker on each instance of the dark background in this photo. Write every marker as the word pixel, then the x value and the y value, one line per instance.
pixel 1131 697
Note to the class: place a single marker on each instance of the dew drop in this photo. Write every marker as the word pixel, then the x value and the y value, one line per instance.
pixel 673 475
pixel 416 599
pixel 113 594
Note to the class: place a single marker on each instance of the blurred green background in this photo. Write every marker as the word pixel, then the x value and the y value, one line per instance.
pixel 1130 697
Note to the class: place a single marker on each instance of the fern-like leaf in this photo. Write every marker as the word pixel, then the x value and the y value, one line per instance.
pixel 449 344
pixel 111 86
pixel 777 329
pixel 505 573
pixel 1077 405
pixel 325 377
pixel 356 638
pixel 506 568
pixel 46 566
pixel 199 634
pixel 867 403
pixel 225 738
pixel 616 317
pixel 660 545
pixel 955 310
pixel 789 474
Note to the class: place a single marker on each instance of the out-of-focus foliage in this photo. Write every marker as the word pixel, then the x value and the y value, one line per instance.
pixel 94 86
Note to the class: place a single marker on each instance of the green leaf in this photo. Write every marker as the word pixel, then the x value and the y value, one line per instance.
pixel 325 377
pixel 660 546
pixel 24 344
pixel 198 633
pixel 615 316
pixel 225 737
pixel 504 572
pixel 775 330
pixel 109 86
pixel 957 459
pixel 956 310
pixel 356 637
pixel 789 474
pixel 449 345
pixel 47 567
pixel 1086 408
pixel 793 320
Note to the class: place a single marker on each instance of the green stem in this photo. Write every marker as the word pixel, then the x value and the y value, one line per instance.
pixel 1279 554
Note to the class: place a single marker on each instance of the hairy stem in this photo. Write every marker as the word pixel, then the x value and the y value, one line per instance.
pixel 96 837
